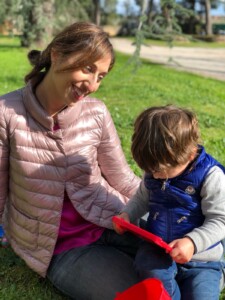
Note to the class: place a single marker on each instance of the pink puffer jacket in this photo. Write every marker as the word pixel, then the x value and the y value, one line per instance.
pixel 37 164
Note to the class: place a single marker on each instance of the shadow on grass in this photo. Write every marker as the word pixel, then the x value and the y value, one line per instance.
pixel 11 80
pixel 14 276
pixel 5 47
pixel 9 43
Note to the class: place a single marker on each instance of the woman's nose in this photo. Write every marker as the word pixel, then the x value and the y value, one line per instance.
pixel 93 85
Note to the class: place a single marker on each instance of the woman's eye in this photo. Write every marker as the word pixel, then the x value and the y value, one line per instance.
pixel 88 69
pixel 100 77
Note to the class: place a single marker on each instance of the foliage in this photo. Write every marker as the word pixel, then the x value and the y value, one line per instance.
pixel 165 27
pixel 33 20
pixel 109 15
pixel 68 12
pixel 7 9
pixel 36 20
pixel 126 95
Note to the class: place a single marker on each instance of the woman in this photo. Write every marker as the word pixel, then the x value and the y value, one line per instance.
pixel 63 172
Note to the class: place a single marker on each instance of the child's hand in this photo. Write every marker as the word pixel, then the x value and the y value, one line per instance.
pixel 116 227
pixel 183 250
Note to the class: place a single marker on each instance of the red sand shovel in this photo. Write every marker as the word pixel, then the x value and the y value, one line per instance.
pixel 148 289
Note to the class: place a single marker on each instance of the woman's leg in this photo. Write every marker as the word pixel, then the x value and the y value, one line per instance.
pixel 199 280
pixel 94 272
pixel 153 262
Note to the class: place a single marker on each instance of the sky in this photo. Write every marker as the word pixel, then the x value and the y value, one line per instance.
pixel 215 12
pixel 220 11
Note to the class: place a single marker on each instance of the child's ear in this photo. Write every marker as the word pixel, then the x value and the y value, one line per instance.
pixel 193 154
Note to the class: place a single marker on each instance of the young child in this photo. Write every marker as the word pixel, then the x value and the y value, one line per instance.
pixel 183 189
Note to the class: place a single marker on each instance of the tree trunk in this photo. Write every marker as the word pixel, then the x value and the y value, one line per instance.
pixel 166 11
pixel 149 12
pixel 48 11
pixel 208 23
pixel 191 27
pixel 97 12
pixel 144 5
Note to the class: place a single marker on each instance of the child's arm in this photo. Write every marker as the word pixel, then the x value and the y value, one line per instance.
pixel 138 205
pixel 212 230
pixel 135 208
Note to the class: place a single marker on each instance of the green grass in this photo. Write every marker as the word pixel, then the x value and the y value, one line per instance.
pixel 126 95
pixel 185 43
pixel 13 64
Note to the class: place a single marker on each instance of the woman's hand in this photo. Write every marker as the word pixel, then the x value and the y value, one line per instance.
pixel 116 227
pixel 183 250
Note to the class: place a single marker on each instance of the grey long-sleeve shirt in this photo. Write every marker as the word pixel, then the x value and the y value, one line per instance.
pixel 213 208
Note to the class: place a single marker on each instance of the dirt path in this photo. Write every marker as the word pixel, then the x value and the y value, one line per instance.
pixel 206 62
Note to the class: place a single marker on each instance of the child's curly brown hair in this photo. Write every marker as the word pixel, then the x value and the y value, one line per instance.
pixel 164 137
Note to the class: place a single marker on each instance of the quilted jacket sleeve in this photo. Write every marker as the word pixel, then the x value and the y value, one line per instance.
pixel 4 159
pixel 112 161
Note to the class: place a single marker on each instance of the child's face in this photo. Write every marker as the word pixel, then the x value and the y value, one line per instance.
pixel 170 172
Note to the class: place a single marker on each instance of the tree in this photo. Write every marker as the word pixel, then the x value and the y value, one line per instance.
pixel 109 15
pixel 150 12
pixel 8 11
pixel 70 11
pixel 97 12
pixel 100 10
pixel 33 18
pixel 208 23
pixel 204 12
pixel 192 24
pixel 37 21
pixel 164 26
pixel 148 6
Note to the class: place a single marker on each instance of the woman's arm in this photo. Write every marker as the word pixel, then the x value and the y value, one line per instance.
pixel 112 161
pixel 4 160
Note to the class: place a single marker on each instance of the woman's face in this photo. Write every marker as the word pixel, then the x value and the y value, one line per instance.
pixel 72 86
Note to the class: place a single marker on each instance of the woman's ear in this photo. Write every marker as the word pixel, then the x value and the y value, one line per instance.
pixel 54 56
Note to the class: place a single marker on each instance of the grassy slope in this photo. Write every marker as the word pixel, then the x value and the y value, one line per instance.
pixel 126 95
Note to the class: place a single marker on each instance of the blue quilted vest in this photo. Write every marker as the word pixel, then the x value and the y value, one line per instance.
pixel 175 204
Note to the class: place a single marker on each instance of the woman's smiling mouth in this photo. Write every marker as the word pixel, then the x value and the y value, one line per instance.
pixel 77 93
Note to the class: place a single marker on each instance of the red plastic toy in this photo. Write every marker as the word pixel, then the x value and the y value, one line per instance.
pixel 148 289
pixel 146 235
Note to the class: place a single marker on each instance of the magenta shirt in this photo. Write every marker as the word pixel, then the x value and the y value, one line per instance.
pixel 74 230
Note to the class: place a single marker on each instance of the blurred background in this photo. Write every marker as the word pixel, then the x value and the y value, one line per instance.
pixel 35 21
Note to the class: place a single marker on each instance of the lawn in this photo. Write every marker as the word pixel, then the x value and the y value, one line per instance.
pixel 186 41
pixel 126 95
